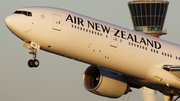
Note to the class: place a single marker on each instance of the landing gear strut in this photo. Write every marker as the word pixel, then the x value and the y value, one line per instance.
pixel 170 97
pixel 33 62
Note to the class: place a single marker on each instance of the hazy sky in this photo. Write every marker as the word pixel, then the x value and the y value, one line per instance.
pixel 58 78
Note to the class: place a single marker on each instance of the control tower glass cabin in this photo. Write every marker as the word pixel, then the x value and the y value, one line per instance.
pixel 148 16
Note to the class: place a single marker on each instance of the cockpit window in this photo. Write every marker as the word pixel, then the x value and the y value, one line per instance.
pixel 23 12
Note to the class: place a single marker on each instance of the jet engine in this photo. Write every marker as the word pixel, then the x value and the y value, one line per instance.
pixel 105 83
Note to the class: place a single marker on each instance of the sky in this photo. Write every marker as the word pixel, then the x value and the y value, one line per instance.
pixel 58 78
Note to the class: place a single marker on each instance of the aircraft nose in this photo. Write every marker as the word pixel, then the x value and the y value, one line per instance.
pixel 10 21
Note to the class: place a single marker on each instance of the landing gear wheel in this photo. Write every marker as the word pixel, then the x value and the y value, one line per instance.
pixel 30 63
pixel 33 63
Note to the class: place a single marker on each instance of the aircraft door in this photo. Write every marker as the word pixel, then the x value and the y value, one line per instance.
pixel 57 23
pixel 113 40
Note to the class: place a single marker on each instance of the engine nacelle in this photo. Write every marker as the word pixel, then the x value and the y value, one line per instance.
pixel 105 83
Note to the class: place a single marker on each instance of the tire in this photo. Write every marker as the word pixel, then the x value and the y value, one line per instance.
pixel 35 63
pixel 30 63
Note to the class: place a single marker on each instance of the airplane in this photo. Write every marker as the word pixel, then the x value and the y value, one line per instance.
pixel 119 58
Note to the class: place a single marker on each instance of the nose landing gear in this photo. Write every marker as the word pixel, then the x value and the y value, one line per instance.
pixel 33 62
pixel 33 47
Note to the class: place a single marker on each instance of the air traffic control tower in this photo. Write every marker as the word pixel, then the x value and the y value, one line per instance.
pixel 148 16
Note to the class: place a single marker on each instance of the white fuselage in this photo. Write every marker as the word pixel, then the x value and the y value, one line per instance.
pixel 98 43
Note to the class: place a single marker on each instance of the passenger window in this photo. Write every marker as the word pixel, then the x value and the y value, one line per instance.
pixel 106 36
pixel 171 56
pixel 157 52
